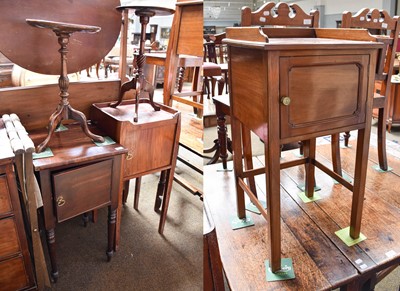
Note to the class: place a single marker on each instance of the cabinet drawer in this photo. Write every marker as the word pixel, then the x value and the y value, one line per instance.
pixel 13 274
pixel 5 202
pixel 79 190
pixel 9 243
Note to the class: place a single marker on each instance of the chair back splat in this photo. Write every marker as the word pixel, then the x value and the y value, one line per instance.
pixel 385 29
pixel 279 14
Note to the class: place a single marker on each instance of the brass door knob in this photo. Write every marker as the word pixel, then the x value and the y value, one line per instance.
pixel 285 100
pixel 60 201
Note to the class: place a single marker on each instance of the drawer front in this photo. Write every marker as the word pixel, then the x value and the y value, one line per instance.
pixel 5 202
pixel 148 148
pixel 326 92
pixel 9 242
pixel 81 189
pixel 13 274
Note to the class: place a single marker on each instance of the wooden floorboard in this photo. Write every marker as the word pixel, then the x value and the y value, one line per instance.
pixel 320 258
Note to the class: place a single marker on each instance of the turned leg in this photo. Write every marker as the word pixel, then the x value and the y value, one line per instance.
pixel 51 244
pixel 112 217
pixel 222 137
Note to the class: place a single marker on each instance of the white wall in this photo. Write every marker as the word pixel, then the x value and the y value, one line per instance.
pixel 331 10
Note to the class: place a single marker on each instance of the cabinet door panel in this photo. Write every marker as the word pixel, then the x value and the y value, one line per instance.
pixel 82 189
pixel 325 92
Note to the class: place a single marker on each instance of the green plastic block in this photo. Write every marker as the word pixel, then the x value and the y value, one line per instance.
pixel 285 273
pixel 238 223
pixel 344 235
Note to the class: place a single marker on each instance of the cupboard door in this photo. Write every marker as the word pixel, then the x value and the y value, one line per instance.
pixel 82 189
pixel 324 92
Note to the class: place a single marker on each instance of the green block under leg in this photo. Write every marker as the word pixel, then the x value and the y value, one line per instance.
pixel 285 273
pixel 344 235
pixel 238 223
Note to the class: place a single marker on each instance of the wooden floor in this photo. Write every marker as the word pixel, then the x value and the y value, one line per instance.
pixel 321 260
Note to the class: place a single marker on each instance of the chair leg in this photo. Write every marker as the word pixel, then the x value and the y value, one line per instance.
pixel 222 139
pixel 226 82
pixel 206 85
pixel 221 83
pixel 335 148
pixel 213 84
pixel 382 140
pixel 346 138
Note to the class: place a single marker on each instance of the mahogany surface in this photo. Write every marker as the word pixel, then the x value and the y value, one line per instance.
pixel 37 49
pixel 267 74
pixel 97 172
pixel 321 260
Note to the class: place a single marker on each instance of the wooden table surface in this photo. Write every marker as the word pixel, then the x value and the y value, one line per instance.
pixel 321 260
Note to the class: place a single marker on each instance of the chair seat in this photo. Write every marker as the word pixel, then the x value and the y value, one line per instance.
pixel 211 69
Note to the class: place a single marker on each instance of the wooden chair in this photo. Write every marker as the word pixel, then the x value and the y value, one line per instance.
pixel 378 22
pixel 269 14
pixel 214 52
pixel 185 39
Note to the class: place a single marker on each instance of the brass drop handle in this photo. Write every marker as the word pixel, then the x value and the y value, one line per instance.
pixel 285 100
pixel 129 156
pixel 60 201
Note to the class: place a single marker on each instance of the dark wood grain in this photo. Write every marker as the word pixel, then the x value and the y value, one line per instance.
pixel 37 49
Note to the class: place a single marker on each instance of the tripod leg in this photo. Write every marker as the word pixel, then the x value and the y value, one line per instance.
pixel 81 118
pixel 124 88
pixel 54 121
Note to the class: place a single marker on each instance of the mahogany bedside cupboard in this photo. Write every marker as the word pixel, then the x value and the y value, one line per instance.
pixel 152 143
pixel 78 178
